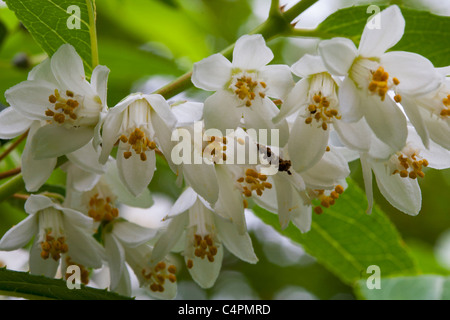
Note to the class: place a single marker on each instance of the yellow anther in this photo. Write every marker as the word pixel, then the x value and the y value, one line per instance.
pixel 318 210
pixel 339 189
pixel 189 264
pixel 69 93
pixel 101 209
pixel 395 81
pixel 398 98
pixel 308 120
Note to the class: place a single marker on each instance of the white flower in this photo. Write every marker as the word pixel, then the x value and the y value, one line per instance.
pixel 397 172
pixel 159 275
pixel 287 188
pixel 243 87
pixel 205 232
pixel 293 194
pixel 58 231
pixel 315 100
pixel 141 123
pixel 57 95
pixel 189 161
pixel 430 113
pixel 371 73
pixel 120 238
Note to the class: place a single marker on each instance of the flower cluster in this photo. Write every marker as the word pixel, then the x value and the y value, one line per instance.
pixel 389 109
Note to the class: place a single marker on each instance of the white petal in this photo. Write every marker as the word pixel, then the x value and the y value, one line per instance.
pixel 251 52
pixel 338 55
pixel 110 134
pixel 438 129
pixel 99 82
pixel 402 193
pixel 131 234
pixel 239 245
pixel 187 113
pixel 144 200
pixel 301 217
pixel 36 203
pixel 170 237
pixel 135 173
pixel 12 123
pixel 279 80
pixel 375 41
pixel 52 140
pixel 328 172
pixel 212 73
pixel 386 120
pixel 39 266
pixel 230 204
pixel 350 101
pixel 83 248
pixel 75 218
pixel 356 135
pixel 285 201
pixel 202 178
pixel 68 69
pixel 35 172
pixel 19 235
pixel 30 98
pixel 115 255
pixel 367 175
pixel 81 180
pixel 416 74
pixel 124 285
pixel 184 202
pixel 294 101
pixel 221 112
pixel 204 272
pixel 162 108
pixel 308 65
pixel 307 144
pixel 413 114
pixel 86 158
pixel 43 71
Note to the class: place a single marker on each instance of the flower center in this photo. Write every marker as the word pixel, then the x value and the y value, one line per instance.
pixel 321 111
pixel 158 275
pixel 62 107
pixel 139 142
pixel 216 149
pixel 323 100
pixel 409 164
pixel 204 247
pixel 326 199
pixel 51 234
pixel 445 112
pixel 253 181
pixel 247 88
pixel 369 74
pixel 84 273
pixel 102 209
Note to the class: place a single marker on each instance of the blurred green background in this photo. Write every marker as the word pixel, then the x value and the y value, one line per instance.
pixel 147 43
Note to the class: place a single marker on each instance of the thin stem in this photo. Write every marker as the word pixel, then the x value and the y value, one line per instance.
pixel 10 173
pixel 298 8
pixel 13 146
pixel 274 8
pixel 277 24
pixel 177 86
pixel 21 196
pixel 308 33
pixel 93 32
pixel 11 187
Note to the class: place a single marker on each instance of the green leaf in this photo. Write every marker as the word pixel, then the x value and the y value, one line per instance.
pixel 425 33
pixel 347 241
pixel 47 21
pixel 22 284
pixel 424 287
pixel 3 32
